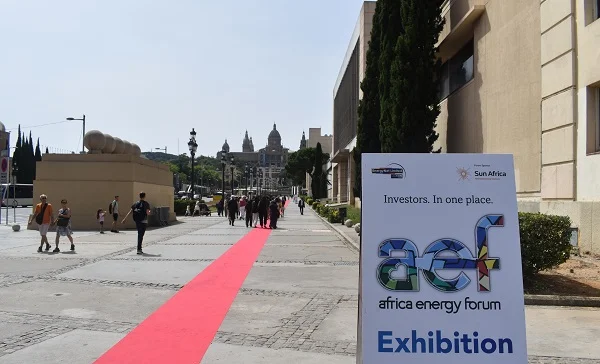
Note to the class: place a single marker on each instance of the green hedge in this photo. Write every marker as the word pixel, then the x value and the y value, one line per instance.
pixel 545 241
pixel 331 214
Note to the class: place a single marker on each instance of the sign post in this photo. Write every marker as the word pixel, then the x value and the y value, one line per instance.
pixel 440 272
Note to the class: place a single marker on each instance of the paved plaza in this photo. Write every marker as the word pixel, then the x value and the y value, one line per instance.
pixel 298 303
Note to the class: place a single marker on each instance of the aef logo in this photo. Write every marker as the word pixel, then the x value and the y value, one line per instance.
pixel 431 261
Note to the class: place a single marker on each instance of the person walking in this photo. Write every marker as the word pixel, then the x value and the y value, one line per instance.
pixel 113 209
pixel 140 211
pixel 44 217
pixel 248 212
pixel 63 225
pixel 100 217
pixel 263 207
pixel 232 206
pixel 255 211
pixel 242 205
pixel 273 214
pixel 301 205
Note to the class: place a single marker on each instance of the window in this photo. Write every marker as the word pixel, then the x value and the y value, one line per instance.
pixel 457 71
pixel 592 11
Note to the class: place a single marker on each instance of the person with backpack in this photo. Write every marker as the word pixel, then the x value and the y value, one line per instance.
pixel 44 217
pixel 113 209
pixel 140 211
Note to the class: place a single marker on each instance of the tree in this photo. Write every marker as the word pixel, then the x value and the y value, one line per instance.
pixel 17 156
pixel 411 106
pixel 392 28
pixel 37 157
pixel 299 164
pixel 319 177
pixel 46 152
pixel 369 107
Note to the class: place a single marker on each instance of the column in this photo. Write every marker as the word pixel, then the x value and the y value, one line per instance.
pixel 559 64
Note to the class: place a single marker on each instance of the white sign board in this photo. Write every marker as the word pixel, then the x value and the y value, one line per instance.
pixel 441 277
pixel 4 169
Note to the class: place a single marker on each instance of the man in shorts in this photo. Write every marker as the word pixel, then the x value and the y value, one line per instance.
pixel 44 217
pixel 115 214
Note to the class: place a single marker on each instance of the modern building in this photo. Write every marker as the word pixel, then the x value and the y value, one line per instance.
pixel 314 138
pixel 346 95
pixel 523 77
pixel 520 77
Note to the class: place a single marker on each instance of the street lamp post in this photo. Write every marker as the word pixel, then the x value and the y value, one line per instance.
pixel 83 135
pixel 223 164
pixel 246 175
pixel 232 167
pixel 252 173
pixel 260 181
pixel 193 146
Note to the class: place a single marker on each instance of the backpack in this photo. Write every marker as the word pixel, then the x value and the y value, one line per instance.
pixel 110 208
pixel 139 212
pixel 39 218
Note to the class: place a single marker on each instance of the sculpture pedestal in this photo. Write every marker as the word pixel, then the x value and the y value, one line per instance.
pixel 90 181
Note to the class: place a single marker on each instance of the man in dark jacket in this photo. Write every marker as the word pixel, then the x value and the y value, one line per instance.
pixel 301 206
pixel 273 214
pixel 248 208
pixel 255 210
pixel 263 206
pixel 232 206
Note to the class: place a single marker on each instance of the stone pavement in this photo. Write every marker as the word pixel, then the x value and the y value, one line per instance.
pixel 299 302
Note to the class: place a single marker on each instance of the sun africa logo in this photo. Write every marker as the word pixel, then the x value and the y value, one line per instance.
pixel 463 174
pixel 393 169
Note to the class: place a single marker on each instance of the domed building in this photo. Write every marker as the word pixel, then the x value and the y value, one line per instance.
pixel 272 155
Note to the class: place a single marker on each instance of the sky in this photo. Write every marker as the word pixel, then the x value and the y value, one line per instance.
pixel 148 71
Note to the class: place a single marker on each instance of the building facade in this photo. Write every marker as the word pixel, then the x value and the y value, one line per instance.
pixel 346 94
pixel 523 77
pixel 519 77
pixel 267 164
pixel 315 137
pixel 272 155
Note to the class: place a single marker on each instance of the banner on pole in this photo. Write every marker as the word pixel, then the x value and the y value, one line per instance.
pixel 441 277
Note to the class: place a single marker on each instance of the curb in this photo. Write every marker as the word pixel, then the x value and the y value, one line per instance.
pixel 344 237
pixel 553 300
pixel 530 299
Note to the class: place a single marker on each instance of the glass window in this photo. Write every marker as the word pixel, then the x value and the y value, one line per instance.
pixel 444 82
pixel 461 67
pixel 597 9
pixel 457 71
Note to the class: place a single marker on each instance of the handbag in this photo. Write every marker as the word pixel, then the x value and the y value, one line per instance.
pixel 62 221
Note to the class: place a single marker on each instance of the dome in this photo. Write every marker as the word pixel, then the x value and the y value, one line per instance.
pixel 225 146
pixel 2 128
pixel 274 134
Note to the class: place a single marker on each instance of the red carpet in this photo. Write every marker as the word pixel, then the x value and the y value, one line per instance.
pixel 182 329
